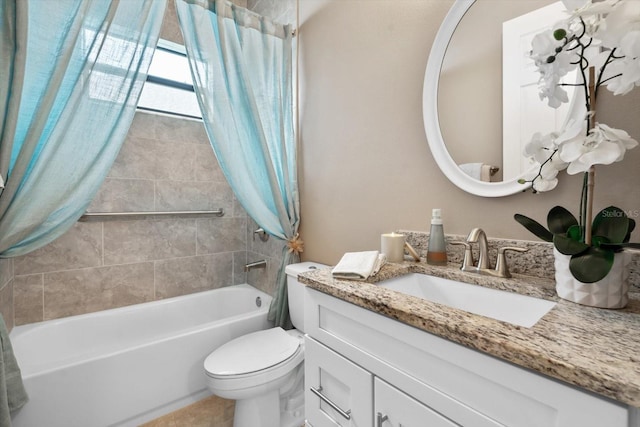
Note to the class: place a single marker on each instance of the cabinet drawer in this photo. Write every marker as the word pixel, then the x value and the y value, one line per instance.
pixel 393 408
pixel 466 386
pixel 337 391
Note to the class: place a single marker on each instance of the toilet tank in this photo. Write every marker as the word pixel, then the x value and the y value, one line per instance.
pixel 295 291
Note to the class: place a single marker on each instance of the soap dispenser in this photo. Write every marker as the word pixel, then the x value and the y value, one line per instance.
pixel 437 249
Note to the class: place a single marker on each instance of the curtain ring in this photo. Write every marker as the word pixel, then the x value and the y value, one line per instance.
pixel 295 245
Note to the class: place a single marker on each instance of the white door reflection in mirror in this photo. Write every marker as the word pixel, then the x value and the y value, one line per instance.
pixel 523 112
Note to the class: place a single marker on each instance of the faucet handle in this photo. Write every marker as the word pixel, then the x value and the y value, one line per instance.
pixel 468 264
pixel 502 269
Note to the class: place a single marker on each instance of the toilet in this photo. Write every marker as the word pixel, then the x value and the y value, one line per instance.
pixel 264 371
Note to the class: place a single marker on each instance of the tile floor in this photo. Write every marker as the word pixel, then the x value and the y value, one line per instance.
pixel 210 412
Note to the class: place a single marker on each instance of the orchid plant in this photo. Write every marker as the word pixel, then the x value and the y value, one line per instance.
pixel 601 41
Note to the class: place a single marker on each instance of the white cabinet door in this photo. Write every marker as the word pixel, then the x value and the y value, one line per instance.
pixel 393 408
pixel 337 391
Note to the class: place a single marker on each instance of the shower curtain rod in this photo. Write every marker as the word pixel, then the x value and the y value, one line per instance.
pixel 101 216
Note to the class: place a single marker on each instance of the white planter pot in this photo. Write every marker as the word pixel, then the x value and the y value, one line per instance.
pixel 610 292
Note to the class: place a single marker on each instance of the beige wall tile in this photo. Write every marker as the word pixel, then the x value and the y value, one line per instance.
pixel 80 247
pixel 239 261
pixel 136 160
pixel 177 131
pixel 28 295
pixel 272 247
pixel 170 29
pixel 238 210
pixel 136 241
pixel 68 293
pixel 183 276
pixel 175 162
pixel 191 195
pixel 263 278
pixel 124 195
pixel 143 126
pixel 221 235
pixel 206 164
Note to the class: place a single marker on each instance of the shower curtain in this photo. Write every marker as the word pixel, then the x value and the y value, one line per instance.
pixel 72 72
pixel 242 70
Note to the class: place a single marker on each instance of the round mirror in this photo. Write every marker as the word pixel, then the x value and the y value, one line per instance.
pixel 466 98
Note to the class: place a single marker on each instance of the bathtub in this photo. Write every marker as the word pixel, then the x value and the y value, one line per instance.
pixel 128 365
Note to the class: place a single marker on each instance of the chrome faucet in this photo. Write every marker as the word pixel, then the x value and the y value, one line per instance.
pixel 477 235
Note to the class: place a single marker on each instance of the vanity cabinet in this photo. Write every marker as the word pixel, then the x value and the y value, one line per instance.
pixel 383 373
pixel 393 408
pixel 338 391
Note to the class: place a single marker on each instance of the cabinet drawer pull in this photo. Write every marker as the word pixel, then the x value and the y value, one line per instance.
pixel 381 418
pixel 318 392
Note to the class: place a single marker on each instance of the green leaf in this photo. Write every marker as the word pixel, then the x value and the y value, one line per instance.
pixel 591 265
pixel 559 220
pixel 598 241
pixel 567 246
pixel 617 247
pixel 559 34
pixel 534 227
pixel 632 226
pixel 575 232
pixel 611 223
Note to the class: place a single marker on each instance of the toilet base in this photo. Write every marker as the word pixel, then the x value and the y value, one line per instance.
pixel 260 411
pixel 283 407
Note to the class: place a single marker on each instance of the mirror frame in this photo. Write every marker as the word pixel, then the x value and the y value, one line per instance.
pixel 430 115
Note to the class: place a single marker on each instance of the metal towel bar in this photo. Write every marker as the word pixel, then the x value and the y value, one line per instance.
pixel 101 216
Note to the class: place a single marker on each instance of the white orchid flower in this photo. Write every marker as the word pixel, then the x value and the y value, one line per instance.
pixel 543 45
pixel 603 145
pixel 627 69
pixel 605 35
pixel 618 136
pixel 592 14
pixel 542 150
pixel 552 65
pixel 541 147
pixel 542 185
pixel 621 20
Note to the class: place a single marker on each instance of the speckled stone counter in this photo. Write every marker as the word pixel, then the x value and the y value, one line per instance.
pixel 596 349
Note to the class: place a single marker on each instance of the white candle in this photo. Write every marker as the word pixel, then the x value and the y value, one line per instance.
pixel 392 245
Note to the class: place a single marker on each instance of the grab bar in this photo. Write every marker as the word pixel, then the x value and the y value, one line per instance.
pixel 101 216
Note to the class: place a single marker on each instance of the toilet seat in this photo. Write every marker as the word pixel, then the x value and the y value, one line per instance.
pixel 255 358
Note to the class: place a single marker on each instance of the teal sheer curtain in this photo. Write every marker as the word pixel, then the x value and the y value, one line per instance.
pixel 72 72
pixel 242 71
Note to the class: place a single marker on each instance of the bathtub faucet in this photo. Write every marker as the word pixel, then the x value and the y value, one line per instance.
pixel 256 264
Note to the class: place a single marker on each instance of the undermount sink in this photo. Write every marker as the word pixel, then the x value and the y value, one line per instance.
pixel 506 306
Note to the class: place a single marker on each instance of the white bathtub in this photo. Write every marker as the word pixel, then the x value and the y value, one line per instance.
pixel 129 365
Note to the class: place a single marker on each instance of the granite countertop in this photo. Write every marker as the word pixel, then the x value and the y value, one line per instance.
pixel 592 348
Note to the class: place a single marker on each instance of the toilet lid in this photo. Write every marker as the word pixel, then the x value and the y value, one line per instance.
pixel 252 352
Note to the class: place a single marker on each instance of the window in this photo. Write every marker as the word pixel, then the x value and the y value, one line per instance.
pixel 169 87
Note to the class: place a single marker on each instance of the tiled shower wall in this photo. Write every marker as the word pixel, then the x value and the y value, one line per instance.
pixel 166 163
